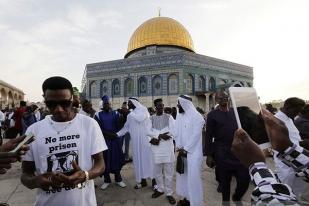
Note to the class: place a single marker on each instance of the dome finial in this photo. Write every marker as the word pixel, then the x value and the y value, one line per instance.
pixel 159 11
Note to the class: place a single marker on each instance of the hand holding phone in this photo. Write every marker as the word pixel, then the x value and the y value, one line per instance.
pixel 247 111
pixel 16 147
pixel 10 151
pixel 25 141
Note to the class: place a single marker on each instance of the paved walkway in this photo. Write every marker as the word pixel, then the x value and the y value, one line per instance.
pixel 15 194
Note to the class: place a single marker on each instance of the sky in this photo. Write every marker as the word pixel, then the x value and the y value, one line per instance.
pixel 43 38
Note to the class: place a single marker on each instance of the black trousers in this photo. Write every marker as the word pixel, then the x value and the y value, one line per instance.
pixel 242 179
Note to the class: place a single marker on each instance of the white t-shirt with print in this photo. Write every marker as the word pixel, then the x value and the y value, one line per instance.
pixel 57 144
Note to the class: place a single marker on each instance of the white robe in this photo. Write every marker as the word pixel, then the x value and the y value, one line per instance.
pixel 188 135
pixel 287 174
pixel 137 124
pixel 164 152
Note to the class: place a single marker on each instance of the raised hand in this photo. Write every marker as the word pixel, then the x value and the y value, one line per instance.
pixel 6 159
pixel 277 132
pixel 245 149
pixel 11 144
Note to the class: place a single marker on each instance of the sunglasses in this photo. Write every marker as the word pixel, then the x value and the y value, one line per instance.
pixel 52 104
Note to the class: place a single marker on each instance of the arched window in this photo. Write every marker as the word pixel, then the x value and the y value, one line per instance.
pixel 10 99
pixel 188 83
pixel 156 86
pixel 212 84
pixel 103 88
pixel 3 96
pixel 93 89
pixel 173 84
pixel 201 83
pixel 128 87
pixel 116 87
pixel 142 86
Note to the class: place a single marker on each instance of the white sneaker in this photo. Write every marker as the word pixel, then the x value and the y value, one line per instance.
pixel 121 184
pixel 104 186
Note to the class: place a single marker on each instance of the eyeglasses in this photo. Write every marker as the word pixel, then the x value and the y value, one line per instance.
pixel 52 104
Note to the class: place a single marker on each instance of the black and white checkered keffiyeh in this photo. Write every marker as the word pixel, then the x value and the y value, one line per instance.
pixel 297 158
pixel 268 190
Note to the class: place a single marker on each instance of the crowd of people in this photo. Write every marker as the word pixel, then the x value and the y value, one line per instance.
pixel 75 144
pixel 14 121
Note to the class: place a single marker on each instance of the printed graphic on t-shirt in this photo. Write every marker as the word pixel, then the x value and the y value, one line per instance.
pixel 62 162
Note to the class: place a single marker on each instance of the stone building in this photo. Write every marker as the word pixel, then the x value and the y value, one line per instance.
pixel 9 95
pixel 161 62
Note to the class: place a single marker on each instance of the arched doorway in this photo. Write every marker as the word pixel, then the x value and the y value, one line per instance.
pixel 93 89
pixel 3 98
pixel 10 99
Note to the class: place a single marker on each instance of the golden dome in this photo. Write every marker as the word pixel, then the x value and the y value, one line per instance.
pixel 160 31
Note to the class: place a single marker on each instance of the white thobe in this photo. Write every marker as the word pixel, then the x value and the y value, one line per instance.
pixel 163 155
pixel 188 135
pixel 287 174
pixel 136 125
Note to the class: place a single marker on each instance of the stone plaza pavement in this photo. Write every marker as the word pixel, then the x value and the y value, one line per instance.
pixel 15 194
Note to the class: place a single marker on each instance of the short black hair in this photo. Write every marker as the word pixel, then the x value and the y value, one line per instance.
pixel 57 83
pixel 85 101
pixel 124 103
pixel 294 102
pixel 156 101
pixel 167 110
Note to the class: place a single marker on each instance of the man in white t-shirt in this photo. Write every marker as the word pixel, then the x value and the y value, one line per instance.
pixel 67 153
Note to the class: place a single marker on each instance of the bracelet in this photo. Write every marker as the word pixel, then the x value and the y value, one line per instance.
pixel 82 185
pixel 87 176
